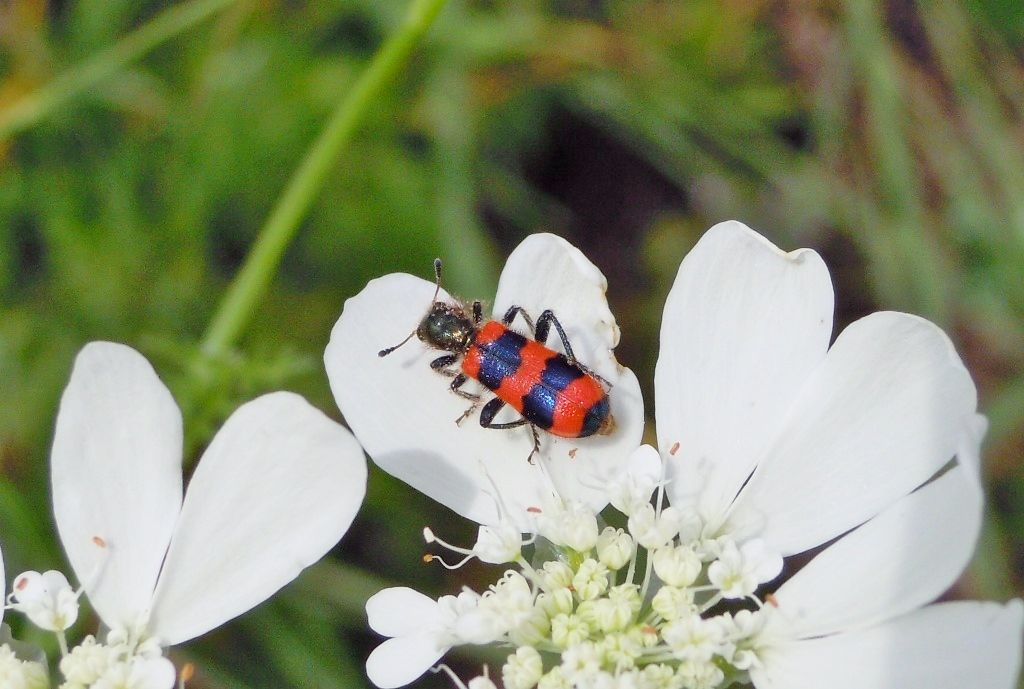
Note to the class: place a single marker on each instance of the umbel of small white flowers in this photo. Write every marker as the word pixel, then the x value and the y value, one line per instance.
pixel 275 489
pixel 771 443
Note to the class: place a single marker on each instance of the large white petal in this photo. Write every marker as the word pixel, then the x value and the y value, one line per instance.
pixel 404 415
pixel 275 490
pixel 945 646
pixel 116 474
pixel 399 661
pixel 745 323
pixel 900 560
pixel 879 417
pixel 400 610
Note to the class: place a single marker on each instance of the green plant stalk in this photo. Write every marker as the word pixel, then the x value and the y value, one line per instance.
pixel 80 78
pixel 237 306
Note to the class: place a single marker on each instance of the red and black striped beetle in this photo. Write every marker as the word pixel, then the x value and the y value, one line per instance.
pixel 552 391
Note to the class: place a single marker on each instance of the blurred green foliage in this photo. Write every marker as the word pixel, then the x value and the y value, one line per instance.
pixel 886 135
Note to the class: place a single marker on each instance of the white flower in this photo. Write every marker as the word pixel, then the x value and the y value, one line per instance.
pixel 771 443
pixel 47 599
pixel 573 525
pixel 404 414
pixel 739 569
pixel 18 672
pixel 779 436
pixel 422 631
pixel 275 489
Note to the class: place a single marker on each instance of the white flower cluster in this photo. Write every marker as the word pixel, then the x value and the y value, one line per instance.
pixel 635 607
pixel 120 662
pixel 161 565
pixel 127 660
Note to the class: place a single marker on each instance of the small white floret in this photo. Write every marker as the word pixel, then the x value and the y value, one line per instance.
pixel 739 570
pixel 47 599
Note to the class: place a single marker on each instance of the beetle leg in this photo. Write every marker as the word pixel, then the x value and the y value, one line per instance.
pixel 443 361
pixel 478 312
pixel 491 410
pixel 466 414
pixel 536 444
pixel 543 326
pixel 510 316
pixel 457 382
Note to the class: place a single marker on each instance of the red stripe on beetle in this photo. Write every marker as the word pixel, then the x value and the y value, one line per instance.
pixel 533 360
pixel 572 405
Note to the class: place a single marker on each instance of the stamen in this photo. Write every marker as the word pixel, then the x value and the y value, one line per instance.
pixel 187 671
pixel 437 558
pixel 451 674
pixel 430 537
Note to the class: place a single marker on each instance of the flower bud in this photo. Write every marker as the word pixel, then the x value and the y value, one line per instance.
pixel 523 669
pixel 672 603
pixel 591 579
pixel 614 548
pixel 679 566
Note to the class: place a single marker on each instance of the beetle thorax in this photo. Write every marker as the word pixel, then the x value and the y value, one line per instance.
pixel 446 327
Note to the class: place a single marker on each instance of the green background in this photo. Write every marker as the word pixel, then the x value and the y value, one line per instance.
pixel 887 136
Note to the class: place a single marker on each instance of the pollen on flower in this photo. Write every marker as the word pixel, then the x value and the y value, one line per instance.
pixel 674 449
pixel 99 542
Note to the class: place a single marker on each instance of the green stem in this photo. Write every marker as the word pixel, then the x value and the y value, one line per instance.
pixel 84 76
pixel 238 303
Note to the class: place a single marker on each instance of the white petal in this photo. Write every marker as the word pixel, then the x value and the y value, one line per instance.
pixel 946 646
pixel 902 559
pixel 404 415
pixel 883 413
pixel 116 476
pixel 744 325
pixel 400 610
pixel 397 662
pixel 275 490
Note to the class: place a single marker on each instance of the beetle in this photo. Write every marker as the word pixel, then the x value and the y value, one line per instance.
pixel 552 391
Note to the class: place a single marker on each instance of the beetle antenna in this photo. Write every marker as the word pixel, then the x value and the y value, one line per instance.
pixel 437 290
